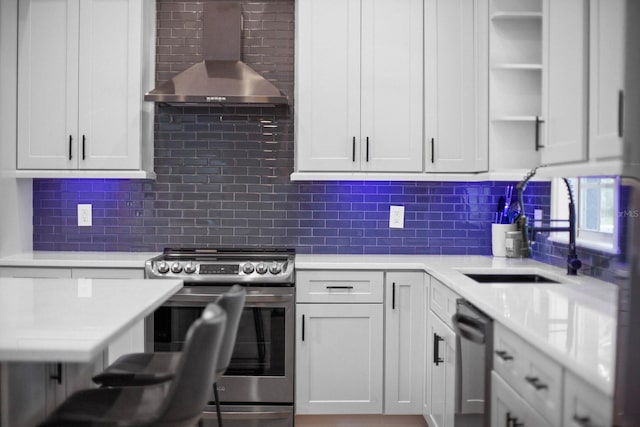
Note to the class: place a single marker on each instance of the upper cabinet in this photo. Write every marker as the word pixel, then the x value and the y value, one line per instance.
pixel 565 80
pixel 398 87
pixel 83 69
pixel 359 85
pixel 606 78
pixel 583 80
pixel 456 85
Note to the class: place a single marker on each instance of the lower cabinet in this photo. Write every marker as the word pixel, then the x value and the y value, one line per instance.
pixel 585 406
pixel 441 372
pixel 404 343
pixel 339 358
pixel 31 390
pixel 508 409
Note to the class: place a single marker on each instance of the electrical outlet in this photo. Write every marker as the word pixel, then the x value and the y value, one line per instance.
pixel 84 215
pixel 537 216
pixel 396 217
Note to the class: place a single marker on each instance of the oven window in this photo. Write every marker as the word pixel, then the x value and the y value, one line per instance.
pixel 260 343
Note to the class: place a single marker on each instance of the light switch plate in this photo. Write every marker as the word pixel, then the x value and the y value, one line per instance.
pixel 396 217
pixel 84 215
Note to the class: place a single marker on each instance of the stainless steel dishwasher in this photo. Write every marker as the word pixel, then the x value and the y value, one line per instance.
pixel 474 364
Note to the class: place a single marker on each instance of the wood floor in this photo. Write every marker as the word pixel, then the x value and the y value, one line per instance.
pixel 360 421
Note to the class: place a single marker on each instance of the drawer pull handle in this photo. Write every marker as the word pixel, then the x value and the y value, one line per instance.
pixel 303 327
pixel 504 355
pixel 535 382
pixel 339 287
pixel 583 421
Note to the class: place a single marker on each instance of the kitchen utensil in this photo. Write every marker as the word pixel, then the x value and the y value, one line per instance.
pixel 498 219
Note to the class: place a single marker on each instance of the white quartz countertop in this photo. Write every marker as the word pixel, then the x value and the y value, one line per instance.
pixel 72 320
pixel 573 322
pixel 77 259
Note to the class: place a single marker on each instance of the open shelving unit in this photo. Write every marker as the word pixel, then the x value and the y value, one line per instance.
pixel 515 52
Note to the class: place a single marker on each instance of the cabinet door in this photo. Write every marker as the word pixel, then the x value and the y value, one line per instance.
pixel 584 405
pixel 404 343
pixel 565 72
pixel 508 409
pixel 392 81
pixel 48 84
pixel 327 85
pixel 110 84
pixel 606 78
pixel 339 358
pixel 441 353
pixel 456 85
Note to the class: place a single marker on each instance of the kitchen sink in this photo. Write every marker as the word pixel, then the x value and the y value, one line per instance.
pixel 509 278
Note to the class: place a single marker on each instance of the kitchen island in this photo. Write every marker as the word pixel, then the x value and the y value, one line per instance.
pixel 54 333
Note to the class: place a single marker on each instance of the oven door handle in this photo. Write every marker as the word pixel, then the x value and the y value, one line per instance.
pixel 250 298
pixel 248 415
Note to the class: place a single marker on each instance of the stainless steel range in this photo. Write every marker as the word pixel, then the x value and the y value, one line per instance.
pixel 257 389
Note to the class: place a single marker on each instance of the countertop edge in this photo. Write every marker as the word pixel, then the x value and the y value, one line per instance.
pixel 79 259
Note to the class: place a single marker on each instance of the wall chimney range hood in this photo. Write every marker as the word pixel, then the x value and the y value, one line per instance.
pixel 222 78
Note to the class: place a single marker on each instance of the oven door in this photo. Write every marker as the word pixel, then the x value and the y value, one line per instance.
pixel 262 364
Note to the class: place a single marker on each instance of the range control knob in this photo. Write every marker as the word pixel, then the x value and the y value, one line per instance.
pixel 275 268
pixel 190 268
pixel 163 267
pixel 176 267
pixel 247 268
pixel 261 268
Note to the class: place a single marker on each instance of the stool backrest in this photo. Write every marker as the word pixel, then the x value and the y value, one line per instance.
pixel 189 391
pixel 233 304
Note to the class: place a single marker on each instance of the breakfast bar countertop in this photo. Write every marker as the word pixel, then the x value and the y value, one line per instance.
pixel 72 320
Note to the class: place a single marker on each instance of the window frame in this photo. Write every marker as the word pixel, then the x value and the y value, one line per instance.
pixel 602 242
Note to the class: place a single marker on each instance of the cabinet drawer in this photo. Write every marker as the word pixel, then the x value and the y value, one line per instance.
pixel 340 286
pixel 536 377
pixel 442 301
pixel 584 405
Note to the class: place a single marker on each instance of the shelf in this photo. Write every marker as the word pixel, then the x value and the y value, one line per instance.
pixel 510 66
pixel 508 16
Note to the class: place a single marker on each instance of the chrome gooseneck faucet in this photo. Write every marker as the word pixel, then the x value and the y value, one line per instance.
pixel 529 233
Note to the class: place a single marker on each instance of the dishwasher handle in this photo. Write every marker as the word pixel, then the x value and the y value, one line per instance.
pixel 469 328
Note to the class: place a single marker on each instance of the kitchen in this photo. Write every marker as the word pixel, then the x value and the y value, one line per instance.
pixel 223 179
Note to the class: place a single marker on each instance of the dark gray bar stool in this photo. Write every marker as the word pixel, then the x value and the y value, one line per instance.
pixel 176 403
pixel 138 369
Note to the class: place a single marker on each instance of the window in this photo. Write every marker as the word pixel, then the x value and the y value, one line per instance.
pixel 596 200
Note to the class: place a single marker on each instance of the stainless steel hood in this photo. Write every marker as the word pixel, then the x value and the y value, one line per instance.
pixel 222 78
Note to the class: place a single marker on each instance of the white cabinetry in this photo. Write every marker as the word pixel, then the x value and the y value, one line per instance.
pixel 359 85
pixel 606 78
pixel 566 68
pixel 404 343
pixel 441 368
pixel 36 389
pixel 456 85
pixel 583 405
pixel 339 344
pixel 80 87
pixel 515 84
pixel 508 409
pixel 441 357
